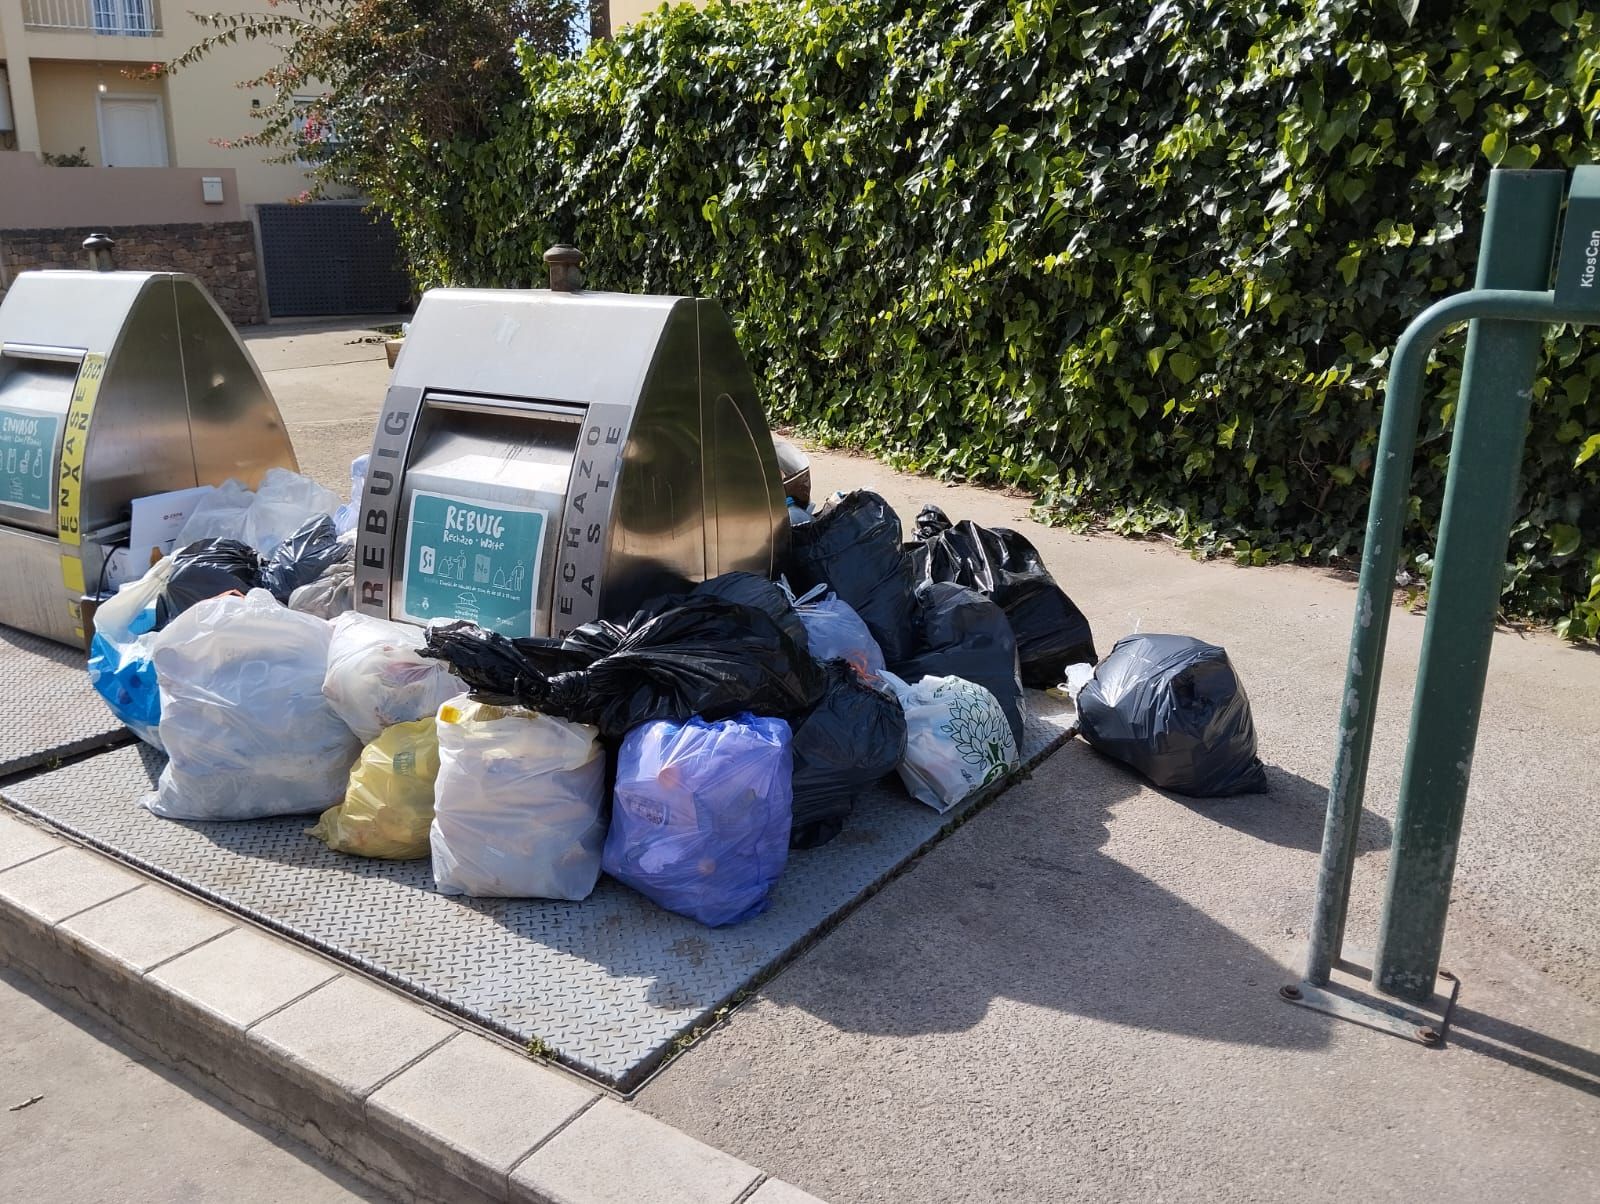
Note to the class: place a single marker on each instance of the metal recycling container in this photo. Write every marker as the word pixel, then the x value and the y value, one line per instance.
pixel 547 457
pixel 113 386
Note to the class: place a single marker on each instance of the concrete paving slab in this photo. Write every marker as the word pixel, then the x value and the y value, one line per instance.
pixel 51 710
pixel 351 1034
pixel 614 1155
pixel 113 1126
pixel 21 841
pixel 243 975
pixel 146 927
pixel 477 1107
pixel 64 882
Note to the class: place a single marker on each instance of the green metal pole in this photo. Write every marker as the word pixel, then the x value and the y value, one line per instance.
pixel 1520 224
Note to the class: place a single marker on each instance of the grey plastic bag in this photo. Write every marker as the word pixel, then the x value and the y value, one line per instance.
pixel 1171 707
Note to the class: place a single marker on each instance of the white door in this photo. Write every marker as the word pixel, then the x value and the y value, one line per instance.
pixel 132 133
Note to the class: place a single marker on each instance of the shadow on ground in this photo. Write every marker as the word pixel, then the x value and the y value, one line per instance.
pixel 1026 906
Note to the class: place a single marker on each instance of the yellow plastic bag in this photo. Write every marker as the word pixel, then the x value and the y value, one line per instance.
pixel 388 803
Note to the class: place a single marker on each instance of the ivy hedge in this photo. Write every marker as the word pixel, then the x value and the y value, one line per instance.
pixel 1146 263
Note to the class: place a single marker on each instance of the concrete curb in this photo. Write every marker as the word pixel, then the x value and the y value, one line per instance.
pixel 404 1097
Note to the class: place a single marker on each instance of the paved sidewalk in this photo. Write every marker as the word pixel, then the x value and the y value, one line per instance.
pixel 111 1126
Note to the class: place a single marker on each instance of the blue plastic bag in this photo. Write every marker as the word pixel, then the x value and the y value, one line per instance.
pixel 120 668
pixel 702 814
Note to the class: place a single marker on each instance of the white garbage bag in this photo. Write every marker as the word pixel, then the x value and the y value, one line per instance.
pixel 246 726
pixel 376 676
pixel 283 503
pixel 957 739
pixel 834 631
pixel 262 519
pixel 519 803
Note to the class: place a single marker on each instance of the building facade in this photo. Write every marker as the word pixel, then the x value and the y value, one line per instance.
pixel 71 87
pixel 91 138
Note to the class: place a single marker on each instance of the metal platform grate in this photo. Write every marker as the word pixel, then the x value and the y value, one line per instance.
pixel 608 983
pixel 48 709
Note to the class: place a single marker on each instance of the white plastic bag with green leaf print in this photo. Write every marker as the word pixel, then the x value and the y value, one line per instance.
pixel 957 739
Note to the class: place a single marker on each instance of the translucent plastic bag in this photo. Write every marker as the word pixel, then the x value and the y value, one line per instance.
pixel 218 515
pixel 262 519
pixel 376 676
pixel 281 507
pixel 120 668
pixel 388 803
pixel 835 632
pixel 344 518
pixel 702 815
pixel 242 714
pixel 957 739
pixel 519 803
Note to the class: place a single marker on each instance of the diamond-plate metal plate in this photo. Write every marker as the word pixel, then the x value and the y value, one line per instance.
pixel 48 709
pixel 607 983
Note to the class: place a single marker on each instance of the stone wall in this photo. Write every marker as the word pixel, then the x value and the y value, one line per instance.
pixel 221 254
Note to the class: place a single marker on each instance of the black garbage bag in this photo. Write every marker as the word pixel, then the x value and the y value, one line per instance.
pixel 303 557
pixel 963 634
pixel 584 645
pixel 851 738
pixel 855 549
pixel 1051 631
pixel 748 589
pixel 706 656
pixel 1171 707
pixel 205 569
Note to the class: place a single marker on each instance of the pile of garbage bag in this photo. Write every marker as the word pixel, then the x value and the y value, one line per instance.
pixel 299 549
pixel 684 750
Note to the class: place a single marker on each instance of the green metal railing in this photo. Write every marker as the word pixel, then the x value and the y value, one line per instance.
pixel 1508 311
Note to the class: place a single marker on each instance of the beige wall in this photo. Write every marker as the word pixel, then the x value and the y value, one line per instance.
pixel 203 104
pixel 206 103
pixel 626 12
pixel 65 95
pixel 33 196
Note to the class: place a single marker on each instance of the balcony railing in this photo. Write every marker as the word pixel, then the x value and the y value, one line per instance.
pixel 109 18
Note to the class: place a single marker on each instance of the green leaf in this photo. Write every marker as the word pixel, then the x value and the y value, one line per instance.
pixel 1183 366
pixel 1564 539
pixel 1495 144
pixel 1590 447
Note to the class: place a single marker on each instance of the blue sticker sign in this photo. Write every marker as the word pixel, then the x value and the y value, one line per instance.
pixel 27 459
pixel 474 560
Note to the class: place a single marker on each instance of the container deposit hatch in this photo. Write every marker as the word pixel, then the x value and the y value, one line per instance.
pixel 547 457
pixel 113 386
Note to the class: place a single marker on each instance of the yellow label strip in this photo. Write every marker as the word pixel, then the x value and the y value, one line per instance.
pixel 69 483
